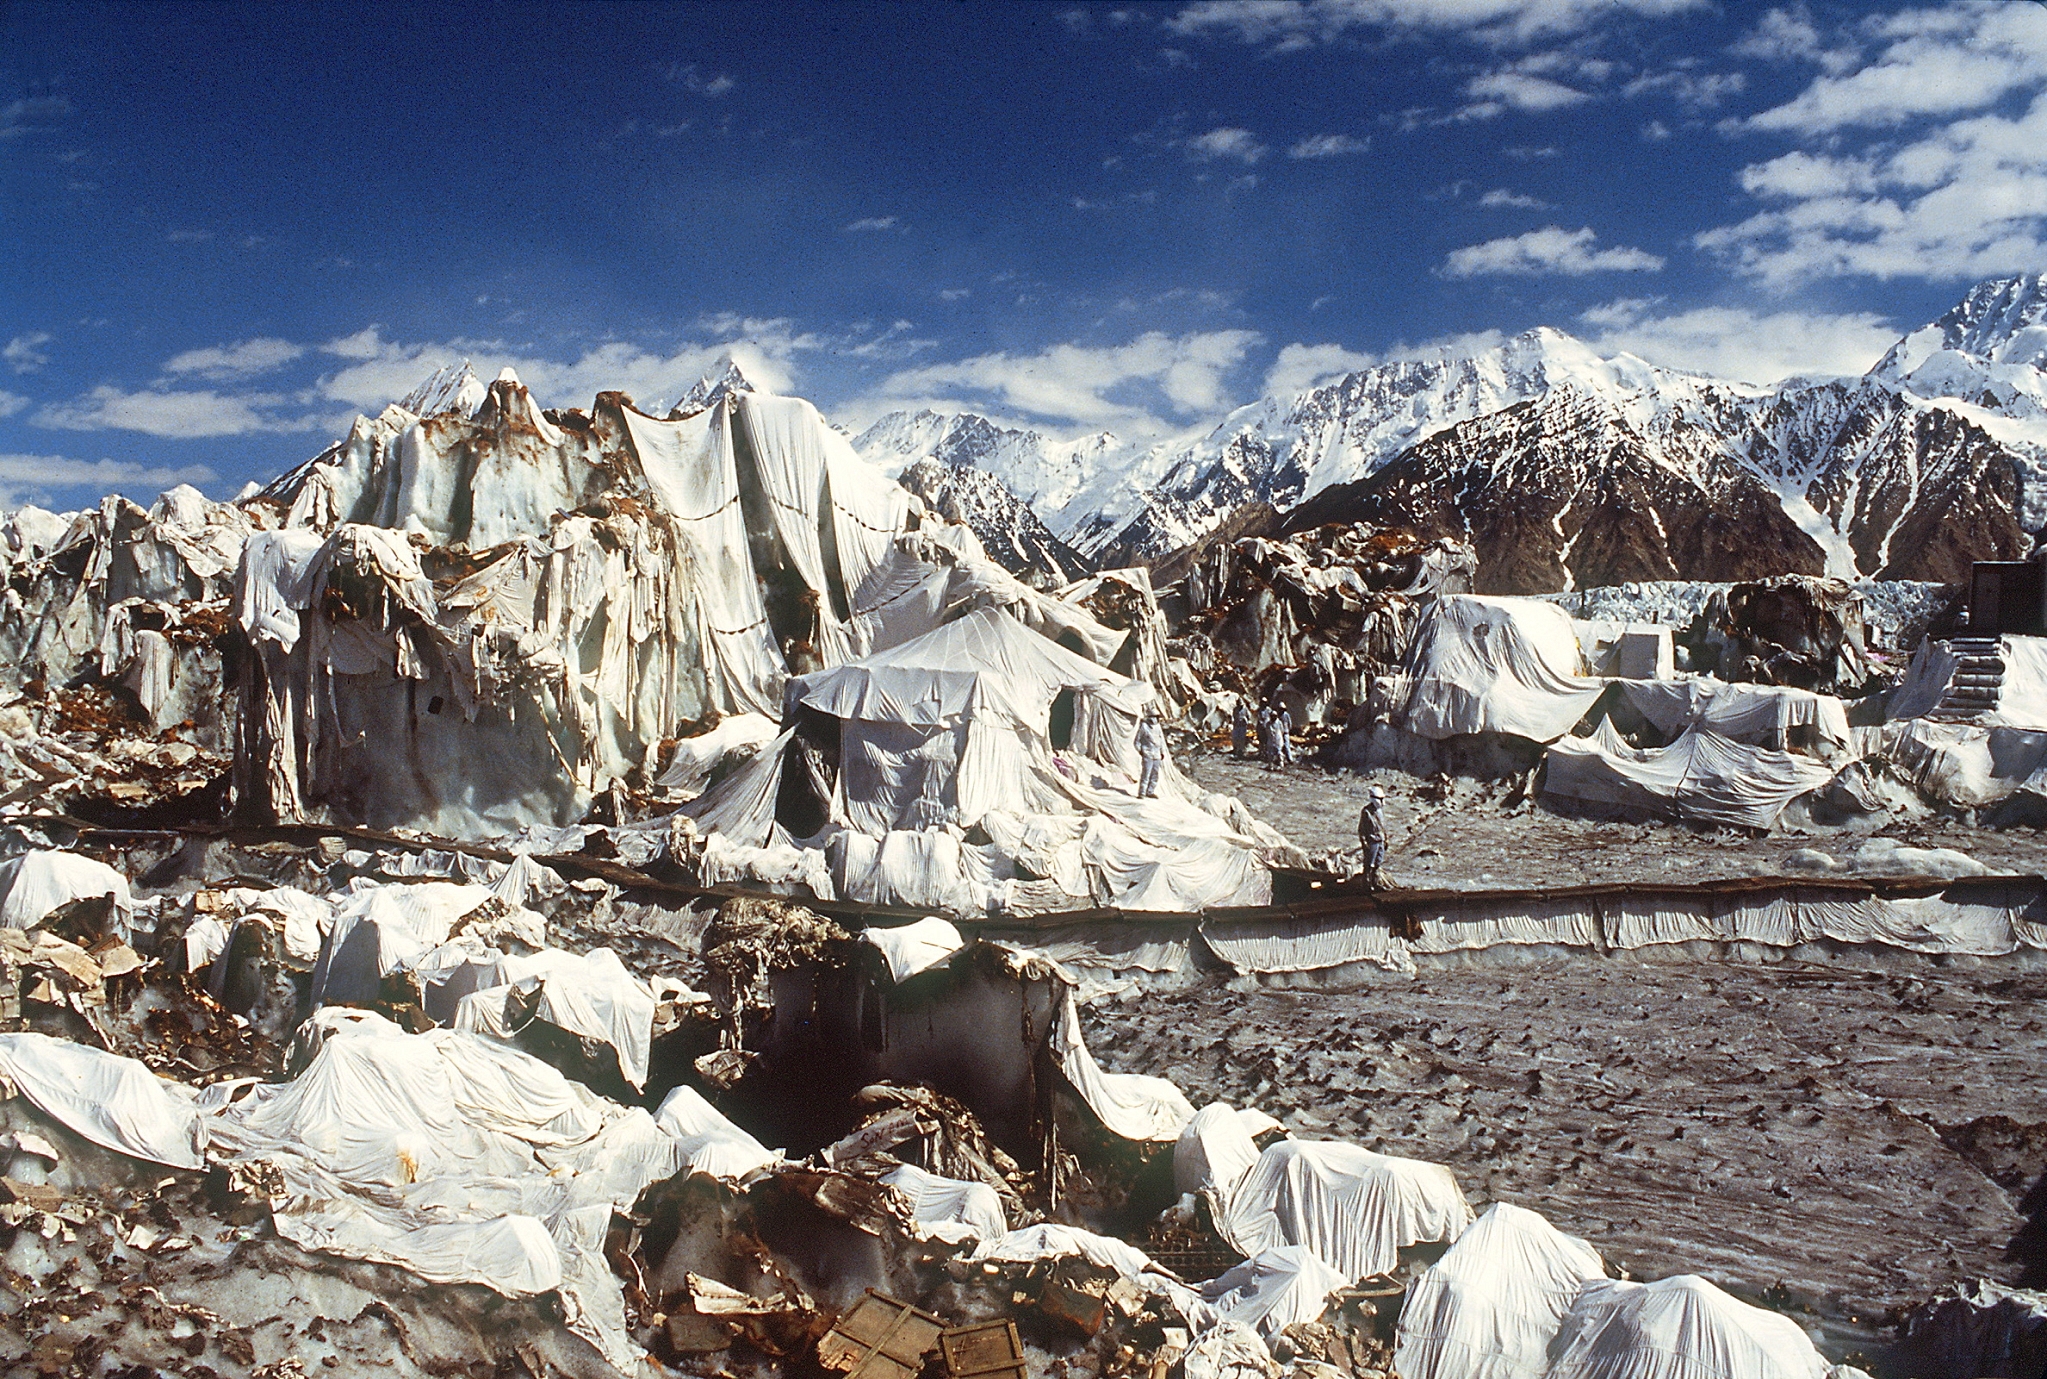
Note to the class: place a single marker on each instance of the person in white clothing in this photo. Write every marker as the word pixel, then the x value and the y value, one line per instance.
pixel 1151 752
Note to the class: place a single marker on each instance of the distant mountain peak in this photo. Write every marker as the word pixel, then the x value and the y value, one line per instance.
pixel 710 389
pixel 1998 321
pixel 450 388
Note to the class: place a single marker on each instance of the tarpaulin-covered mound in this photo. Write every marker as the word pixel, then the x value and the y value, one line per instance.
pixel 515 613
pixel 979 767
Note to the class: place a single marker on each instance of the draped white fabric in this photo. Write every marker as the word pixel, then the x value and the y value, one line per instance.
pixel 690 466
pixel 1489 1308
pixel 1354 1208
pixel 1677 1328
pixel 1496 665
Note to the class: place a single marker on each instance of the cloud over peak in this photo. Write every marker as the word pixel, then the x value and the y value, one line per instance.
pixel 1550 250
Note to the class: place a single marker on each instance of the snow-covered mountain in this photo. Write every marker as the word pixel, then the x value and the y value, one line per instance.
pixel 1937 457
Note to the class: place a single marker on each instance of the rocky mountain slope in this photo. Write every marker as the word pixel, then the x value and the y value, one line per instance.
pixel 1563 491
pixel 1935 458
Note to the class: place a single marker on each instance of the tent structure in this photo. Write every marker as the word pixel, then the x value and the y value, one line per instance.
pixel 36 883
pixel 1355 1209
pixel 1489 1308
pixel 1702 776
pixel 1496 665
pixel 1677 1328
pixel 982 725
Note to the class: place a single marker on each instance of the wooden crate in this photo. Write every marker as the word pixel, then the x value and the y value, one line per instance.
pixel 990 1350
pixel 880 1338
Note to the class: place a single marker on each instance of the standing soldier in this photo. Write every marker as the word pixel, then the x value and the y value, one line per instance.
pixel 1151 752
pixel 1372 838
pixel 1240 727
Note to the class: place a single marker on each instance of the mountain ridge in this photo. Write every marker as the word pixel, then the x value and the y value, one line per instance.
pixel 1955 413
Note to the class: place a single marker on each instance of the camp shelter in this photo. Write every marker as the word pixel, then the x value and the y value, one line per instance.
pixel 1496 665
pixel 1702 776
pixel 1489 1308
pixel 983 767
pixel 1677 1328
pixel 1354 1208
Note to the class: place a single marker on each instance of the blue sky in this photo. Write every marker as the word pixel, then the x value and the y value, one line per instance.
pixel 228 229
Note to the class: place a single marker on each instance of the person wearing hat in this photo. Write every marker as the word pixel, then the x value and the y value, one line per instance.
pixel 1372 837
pixel 1151 754
pixel 1240 727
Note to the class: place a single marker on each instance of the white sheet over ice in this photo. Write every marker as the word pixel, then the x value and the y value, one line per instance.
pixel 35 883
pixel 913 948
pixel 708 1143
pixel 1274 1289
pixel 115 1102
pixel 1677 1328
pixel 1701 776
pixel 1489 1308
pixel 949 1209
pixel 1496 665
pixel 1354 1208
pixel 457 1158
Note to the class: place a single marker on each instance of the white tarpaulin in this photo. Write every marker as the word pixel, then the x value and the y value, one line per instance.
pixel 1489 1308
pixel 1133 1105
pixel 1759 715
pixel 115 1102
pixel 1352 1207
pixel 458 1158
pixel 708 1143
pixel 1216 1151
pixel 379 929
pixel 949 1209
pixel 786 439
pixel 36 883
pixel 689 464
pixel 1274 1289
pixel 1701 776
pixel 1677 1328
pixel 588 994
pixel 913 948
pixel 1496 665
pixel 952 730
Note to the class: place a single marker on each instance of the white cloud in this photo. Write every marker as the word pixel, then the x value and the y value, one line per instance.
pixel 32 114
pixel 1655 132
pixel 176 415
pixel 1932 62
pixel 1082 386
pixel 1300 367
pixel 1789 36
pixel 873 222
pixel 1693 91
pixel 1552 249
pixel 1733 342
pixel 1293 24
pixel 1501 199
pixel 1238 144
pixel 1964 199
pixel 1526 154
pixel 953 294
pixel 1328 146
pixel 24 353
pixel 32 478
pixel 1497 92
pixel 244 359
pixel 687 76
pixel 10 403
